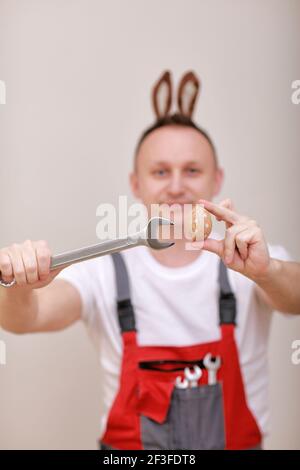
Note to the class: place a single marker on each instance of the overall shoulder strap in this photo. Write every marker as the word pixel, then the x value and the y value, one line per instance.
pixel 227 300
pixel 124 305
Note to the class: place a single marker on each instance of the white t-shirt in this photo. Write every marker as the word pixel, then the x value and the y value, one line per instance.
pixel 177 307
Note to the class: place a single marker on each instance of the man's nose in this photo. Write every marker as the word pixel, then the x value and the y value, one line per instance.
pixel 176 185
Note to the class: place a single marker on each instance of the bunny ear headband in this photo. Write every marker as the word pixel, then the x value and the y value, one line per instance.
pixel 188 91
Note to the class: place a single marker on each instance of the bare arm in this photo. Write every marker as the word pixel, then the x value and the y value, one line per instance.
pixel 280 286
pixel 37 302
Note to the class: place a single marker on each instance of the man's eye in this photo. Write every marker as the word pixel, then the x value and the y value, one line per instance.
pixel 160 172
pixel 193 170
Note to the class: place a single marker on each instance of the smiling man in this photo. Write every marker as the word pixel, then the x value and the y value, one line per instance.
pixel 181 334
pixel 175 164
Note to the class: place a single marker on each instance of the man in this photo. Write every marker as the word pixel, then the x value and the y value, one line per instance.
pixel 183 354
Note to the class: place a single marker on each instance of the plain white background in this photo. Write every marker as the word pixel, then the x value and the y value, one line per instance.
pixel 78 76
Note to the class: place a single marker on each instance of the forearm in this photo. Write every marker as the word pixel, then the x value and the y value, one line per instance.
pixel 18 309
pixel 281 285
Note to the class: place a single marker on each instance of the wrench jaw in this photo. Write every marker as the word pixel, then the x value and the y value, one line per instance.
pixel 193 376
pixel 151 230
pixel 212 367
pixel 190 379
pixel 181 383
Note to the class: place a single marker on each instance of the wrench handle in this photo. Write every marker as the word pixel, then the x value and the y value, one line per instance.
pixel 93 251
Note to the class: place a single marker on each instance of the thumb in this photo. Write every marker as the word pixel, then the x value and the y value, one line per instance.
pixel 214 246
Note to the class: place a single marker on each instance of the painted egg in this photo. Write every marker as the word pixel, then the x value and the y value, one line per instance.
pixel 198 223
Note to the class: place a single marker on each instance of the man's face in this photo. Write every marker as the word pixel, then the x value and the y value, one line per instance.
pixel 175 165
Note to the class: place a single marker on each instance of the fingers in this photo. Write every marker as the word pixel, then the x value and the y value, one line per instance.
pixel 19 273
pixel 27 263
pixel 229 205
pixel 6 267
pixel 226 248
pixel 248 237
pixel 237 237
pixel 233 239
pixel 43 258
pixel 222 212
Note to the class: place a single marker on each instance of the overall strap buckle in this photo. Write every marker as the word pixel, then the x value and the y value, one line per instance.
pixel 126 315
pixel 227 300
pixel 124 306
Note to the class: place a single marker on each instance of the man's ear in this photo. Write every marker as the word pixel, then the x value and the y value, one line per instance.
pixel 219 179
pixel 134 184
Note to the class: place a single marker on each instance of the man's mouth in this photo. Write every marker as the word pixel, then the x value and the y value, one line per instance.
pixel 180 203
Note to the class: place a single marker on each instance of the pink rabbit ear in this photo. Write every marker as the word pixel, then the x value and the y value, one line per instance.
pixel 188 91
pixel 162 95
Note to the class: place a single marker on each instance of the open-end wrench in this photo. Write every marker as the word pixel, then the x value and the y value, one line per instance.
pixel 212 367
pixel 181 383
pixel 147 237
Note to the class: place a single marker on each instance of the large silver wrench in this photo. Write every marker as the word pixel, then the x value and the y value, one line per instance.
pixel 147 237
